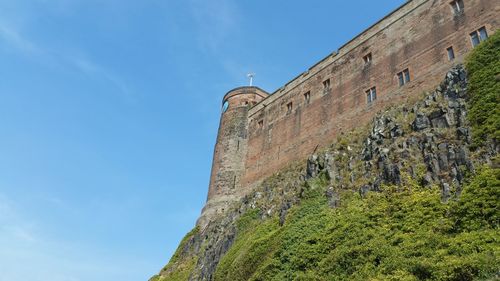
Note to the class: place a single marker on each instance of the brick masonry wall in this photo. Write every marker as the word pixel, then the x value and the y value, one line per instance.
pixel 414 37
pixel 417 41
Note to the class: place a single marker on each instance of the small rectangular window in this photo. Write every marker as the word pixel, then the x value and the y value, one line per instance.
pixel 371 95
pixel 401 79
pixel 307 97
pixel 368 58
pixel 326 84
pixel 451 53
pixel 407 75
pixel 457 6
pixel 289 107
pixel 404 77
pixel 475 39
pixel 478 36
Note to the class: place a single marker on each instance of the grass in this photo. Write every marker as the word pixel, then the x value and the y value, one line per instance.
pixel 181 264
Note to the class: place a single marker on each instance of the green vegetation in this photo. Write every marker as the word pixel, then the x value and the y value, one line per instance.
pixel 177 255
pixel 181 273
pixel 181 264
pixel 483 66
pixel 386 236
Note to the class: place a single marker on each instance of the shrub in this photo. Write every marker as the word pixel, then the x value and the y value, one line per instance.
pixel 483 67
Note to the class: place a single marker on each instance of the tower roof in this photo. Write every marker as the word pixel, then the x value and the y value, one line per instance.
pixel 245 90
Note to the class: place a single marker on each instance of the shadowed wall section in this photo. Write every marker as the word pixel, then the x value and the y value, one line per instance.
pixel 228 164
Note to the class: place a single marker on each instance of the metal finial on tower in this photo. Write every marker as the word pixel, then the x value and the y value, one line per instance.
pixel 251 76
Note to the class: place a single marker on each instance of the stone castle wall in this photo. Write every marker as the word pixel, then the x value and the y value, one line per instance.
pixel 256 140
pixel 228 165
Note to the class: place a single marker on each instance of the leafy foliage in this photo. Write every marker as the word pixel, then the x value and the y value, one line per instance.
pixel 478 208
pixel 483 66
pixel 386 236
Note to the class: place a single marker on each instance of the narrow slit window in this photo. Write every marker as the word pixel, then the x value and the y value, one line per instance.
pixel 326 86
pixel 478 36
pixel 371 95
pixel 457 6
pixel 307 97
pixel 404 77
pixel 289 107
pixel 261 123
pixel 368 58
pixel 451 53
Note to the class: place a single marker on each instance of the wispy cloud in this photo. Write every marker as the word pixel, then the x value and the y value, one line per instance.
pixel 12 38
pixel 215 20
pixel 92 69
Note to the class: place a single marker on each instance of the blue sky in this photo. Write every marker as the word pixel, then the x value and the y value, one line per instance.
pixel 109 112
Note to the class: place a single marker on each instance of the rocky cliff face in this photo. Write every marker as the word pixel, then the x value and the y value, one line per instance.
pixel 427 142
pixel 422 145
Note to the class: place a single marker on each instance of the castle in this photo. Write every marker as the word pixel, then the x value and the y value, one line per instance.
pixel 391 62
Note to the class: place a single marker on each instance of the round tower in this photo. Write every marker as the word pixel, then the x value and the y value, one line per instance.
pixel 230 150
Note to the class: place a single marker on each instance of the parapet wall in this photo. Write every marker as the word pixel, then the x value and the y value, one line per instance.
pixel 310 111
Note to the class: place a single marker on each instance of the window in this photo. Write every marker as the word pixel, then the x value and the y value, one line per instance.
pixel 457 6
pixel 368 58
pixel 451 53
pixel 225 106
pixel 483 35
pixel 326 86
pixel 404 77
pixel 478 36
pixel 407 75
pixel 261 123
pixel 307 97
pixel 475 39
pixel 371 95
pixel 289 107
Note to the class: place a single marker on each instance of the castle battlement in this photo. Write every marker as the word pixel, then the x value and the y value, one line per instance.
pixel 391 62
